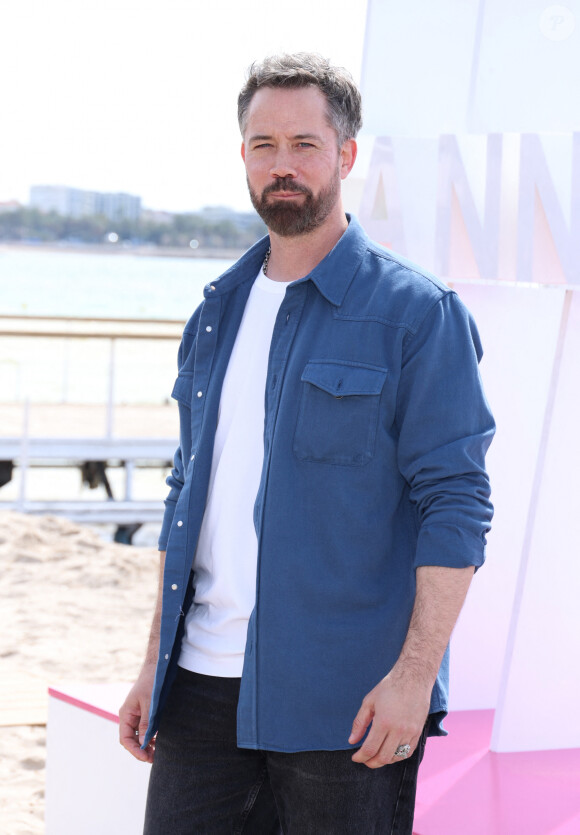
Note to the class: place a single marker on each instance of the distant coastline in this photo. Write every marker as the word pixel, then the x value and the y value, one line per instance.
pixel 123 249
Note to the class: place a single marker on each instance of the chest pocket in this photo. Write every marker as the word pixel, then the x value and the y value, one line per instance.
pixel 339 412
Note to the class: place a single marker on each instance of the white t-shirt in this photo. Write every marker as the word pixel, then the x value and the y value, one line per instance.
pixel 227 551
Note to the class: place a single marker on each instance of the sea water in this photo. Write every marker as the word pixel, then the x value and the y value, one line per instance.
pixel 78 284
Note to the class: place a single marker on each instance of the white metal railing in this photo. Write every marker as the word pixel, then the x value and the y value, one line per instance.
pixel 128 452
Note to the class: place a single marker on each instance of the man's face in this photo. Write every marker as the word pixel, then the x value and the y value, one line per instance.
pixel 293 165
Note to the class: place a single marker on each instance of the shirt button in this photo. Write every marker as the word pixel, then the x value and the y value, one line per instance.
pixel 200 394
pixel 209 329
pixel 166 657
pixel 192 457
pixel 179 524
pixel 174 587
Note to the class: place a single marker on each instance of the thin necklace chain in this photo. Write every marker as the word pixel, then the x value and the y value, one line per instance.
pixel 266 260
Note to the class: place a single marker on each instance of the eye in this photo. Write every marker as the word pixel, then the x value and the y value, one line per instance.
pixel 305 145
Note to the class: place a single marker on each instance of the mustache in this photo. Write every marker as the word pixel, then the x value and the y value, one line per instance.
pixel 285 184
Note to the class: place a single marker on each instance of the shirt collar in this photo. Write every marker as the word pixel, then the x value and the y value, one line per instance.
pixel 335 272
pixel 332 275
pixel 244 269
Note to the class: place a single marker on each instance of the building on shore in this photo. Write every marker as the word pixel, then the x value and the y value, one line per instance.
pixel 76 202
pixel 9 206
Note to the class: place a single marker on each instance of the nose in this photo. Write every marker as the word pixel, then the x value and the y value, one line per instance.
pixel 282 166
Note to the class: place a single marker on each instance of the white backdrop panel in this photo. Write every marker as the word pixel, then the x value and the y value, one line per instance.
pixel 542 688
pixel 93 786
pixel 402 40
pixel 478 67
pixel 519 328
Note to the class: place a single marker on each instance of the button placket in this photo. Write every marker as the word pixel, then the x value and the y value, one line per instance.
pixel 282 339
pixel 281 345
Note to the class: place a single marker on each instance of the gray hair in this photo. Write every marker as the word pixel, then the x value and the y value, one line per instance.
pixel 304 69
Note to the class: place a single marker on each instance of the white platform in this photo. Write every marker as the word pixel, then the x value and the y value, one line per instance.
pixel 93 786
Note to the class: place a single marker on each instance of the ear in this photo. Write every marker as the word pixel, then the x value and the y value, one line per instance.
pixel 243 151
pixel 348 154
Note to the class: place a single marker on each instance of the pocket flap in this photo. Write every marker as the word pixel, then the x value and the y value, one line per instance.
pixel 342 379
pixel 182 388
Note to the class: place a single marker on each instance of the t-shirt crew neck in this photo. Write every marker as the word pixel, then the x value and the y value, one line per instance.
pixel 225 560
pixel 262 282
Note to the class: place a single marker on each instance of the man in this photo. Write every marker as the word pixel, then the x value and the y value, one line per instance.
pixel 328 505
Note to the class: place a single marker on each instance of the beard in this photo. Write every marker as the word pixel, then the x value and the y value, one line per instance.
pixel 287 219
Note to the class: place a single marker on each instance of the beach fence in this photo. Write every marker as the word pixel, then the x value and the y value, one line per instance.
pixel 89 394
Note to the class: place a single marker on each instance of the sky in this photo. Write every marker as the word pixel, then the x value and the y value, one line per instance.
pixel 140 95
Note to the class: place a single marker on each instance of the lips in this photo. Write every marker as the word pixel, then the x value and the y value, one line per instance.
pixel 284 189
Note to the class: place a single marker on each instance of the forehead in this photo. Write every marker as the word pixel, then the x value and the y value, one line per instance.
pixel 300 110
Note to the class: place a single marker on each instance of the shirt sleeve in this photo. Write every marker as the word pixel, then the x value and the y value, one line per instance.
pixel 175 483
pixel 445 427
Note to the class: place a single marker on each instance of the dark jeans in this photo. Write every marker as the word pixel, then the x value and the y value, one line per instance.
pixel 203 784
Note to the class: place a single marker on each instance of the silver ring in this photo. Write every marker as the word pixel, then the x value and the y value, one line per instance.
pixel 403 751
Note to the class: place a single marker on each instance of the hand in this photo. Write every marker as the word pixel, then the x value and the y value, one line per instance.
pixel 398 708
pixel 134 716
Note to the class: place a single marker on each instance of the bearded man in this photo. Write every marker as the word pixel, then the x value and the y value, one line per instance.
pixel 328 505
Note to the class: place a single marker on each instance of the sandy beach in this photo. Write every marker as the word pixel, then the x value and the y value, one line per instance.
pixel 72 607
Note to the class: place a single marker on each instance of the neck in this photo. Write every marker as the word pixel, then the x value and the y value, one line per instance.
pixel 294 257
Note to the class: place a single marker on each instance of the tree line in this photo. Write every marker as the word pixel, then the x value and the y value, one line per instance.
pixel 31 225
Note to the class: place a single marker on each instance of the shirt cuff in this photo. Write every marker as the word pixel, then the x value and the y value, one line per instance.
pixel 449 546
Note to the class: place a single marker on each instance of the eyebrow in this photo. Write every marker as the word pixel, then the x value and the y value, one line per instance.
pixel 261 137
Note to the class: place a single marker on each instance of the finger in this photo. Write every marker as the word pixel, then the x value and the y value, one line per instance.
pixel 384 755
pixel 413 742
pixel 144 755
pixel 143 725
pixel 149 752
pixel 129 737
pixel 372 744
pixel 361 723
pixel 128 734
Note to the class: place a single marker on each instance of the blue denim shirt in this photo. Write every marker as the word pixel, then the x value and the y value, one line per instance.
pixel 375 432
